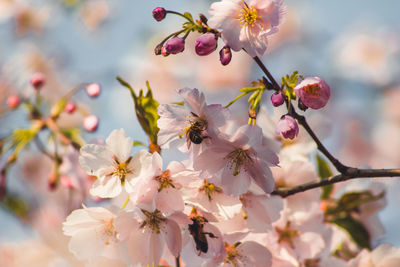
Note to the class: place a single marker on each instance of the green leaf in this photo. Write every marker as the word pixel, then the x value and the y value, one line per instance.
pixel 324 171
pixel 58 107
pixel 355 229
pixel 16 205
pixel 146 110
pixel 353 200
pixel 189 16
pixel 20 138
pixel 137 143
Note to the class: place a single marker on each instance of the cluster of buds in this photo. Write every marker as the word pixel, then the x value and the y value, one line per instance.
pixel 206 43
pixel 312 92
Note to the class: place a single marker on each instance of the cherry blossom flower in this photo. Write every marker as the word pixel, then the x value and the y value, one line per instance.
pixel 248 24
pixel 146 232
pixel 92 232
pixel 383 256
pixel 113 165
pixel 196 120
pixel 238 160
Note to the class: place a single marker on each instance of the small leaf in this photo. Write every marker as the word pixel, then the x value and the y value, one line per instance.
pixel 16 205
pixel 324 171
pixel 137 143
pixel 353 200
pixel 355 229
pixel 58 107
pixel 73 134
pixel 146 110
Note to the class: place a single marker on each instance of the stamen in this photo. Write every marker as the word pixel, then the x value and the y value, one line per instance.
pixel 248 16
pixel 165 181
pixel 153 220
pixel 287 234
pixel 239 158
pixel 209 189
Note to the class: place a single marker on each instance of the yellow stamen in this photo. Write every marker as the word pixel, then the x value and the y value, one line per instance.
pixel 248 16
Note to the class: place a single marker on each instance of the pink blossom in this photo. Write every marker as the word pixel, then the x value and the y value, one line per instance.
pixel 92 232
pixel 195 122
pixel 247 25
pixel 239 159
pixel 146 232
pixel 225 55
pixel 113 165
pixel 313 92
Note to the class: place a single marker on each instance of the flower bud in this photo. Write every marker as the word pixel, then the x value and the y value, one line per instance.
pixel 159 13
pixel 175 45
pixel 70 107
pixel 13 101
pixel 206 44
pixel 90 123
pixel 164 52
pixel 93 89
pixel 287 126
pixel 313 92
pixel 225 55
pixel 37 80
pixel 277 99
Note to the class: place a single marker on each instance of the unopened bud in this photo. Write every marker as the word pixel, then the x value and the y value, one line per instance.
pixel 52 183
pixel 93 89
pixel 206 44
pixel 13 101
pixel 287 126
pixel 175 45
pixel 90 123
pixel 313 92
pixel 37 80
pixel 66 182
pixel 164 52
pixel 277 99
pixel 225 55
pixel 159 13
pixel 70 107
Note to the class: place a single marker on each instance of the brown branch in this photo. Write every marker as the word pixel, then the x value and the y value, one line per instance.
pixel 352 173
pixel 65 139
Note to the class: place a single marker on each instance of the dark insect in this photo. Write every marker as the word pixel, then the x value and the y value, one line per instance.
pixel 197 231
pixel 195 132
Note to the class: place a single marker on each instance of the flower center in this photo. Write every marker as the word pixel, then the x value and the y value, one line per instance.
pixel 312 89
pixel 153 220
pixel 165 181
pixel 232 254
pixel 121 169
pixel 287 234
pixel 239 158
pixel 109 233
pixel 209 189
pixel 248 16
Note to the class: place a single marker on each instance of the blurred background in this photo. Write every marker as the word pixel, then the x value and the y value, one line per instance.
pixel 353 45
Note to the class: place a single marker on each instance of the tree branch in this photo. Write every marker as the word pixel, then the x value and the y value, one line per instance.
pixel 352 173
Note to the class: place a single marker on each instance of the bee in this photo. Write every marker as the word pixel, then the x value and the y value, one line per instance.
pixel 195 132
pixel 196 230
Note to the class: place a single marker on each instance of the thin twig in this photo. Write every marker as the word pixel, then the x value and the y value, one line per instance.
pixel 352 173
pixel 177 262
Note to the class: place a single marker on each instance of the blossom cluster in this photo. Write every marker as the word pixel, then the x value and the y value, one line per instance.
pixel 228 203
